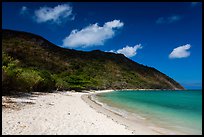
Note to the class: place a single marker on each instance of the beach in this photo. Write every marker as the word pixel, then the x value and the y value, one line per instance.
pixel 62 113
pixel 166 112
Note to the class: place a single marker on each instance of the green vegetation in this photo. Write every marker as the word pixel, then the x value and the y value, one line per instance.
pixel 31 63
pixel 17 79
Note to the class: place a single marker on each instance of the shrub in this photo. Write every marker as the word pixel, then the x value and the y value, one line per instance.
pixel 60 83
pixel 47 83
pixel 28 79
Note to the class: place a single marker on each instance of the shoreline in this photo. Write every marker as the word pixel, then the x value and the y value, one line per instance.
pixel 139 89
pixel 130 124
pixel 68 113
pixel 137 128
pixel 119 119
pixel 58 113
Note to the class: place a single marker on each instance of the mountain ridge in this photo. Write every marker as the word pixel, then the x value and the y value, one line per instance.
pixel 72 69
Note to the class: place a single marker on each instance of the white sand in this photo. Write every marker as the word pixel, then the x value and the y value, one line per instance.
pixel 61 113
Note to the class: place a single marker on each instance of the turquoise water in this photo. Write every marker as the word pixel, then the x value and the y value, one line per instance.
pixel 174 110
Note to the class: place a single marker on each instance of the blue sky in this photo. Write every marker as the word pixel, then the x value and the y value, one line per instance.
pixel 166 36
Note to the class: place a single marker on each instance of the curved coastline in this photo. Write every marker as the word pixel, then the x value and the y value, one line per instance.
pixel 57 113
pixel 80 113
pixel 138 127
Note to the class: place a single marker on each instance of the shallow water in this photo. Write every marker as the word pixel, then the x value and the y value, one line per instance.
pixel 173 110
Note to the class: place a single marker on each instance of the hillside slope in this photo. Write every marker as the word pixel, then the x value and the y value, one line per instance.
pixel 31 63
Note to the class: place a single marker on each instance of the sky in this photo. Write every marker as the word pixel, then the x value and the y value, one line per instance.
pixel 166 36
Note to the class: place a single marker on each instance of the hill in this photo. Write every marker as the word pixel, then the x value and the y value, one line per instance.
pixel 31 63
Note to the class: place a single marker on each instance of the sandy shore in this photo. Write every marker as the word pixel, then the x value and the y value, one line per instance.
pixel 63 113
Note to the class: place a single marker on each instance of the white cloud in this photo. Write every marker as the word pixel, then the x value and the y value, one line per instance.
pixel 58 14
pixel 111 51
pixel 114 24
pixel 168 20
pixel 92 35
pixel 180 52
pixel 23 10
pixel 128 51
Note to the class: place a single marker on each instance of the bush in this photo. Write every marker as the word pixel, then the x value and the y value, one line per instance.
pixel 60 84
pixel 28 79
pixel 47 83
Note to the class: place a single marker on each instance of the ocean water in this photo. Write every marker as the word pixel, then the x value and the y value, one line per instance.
pixel 179 111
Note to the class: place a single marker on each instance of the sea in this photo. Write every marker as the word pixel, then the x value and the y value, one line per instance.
pixel 179 111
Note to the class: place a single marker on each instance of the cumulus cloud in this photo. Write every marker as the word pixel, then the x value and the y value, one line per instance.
pixel 168 20
pixel 92 35
pixel 23 10
pixel 128 51
pixel 58 14
pixel 114 24
pixel 180 52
